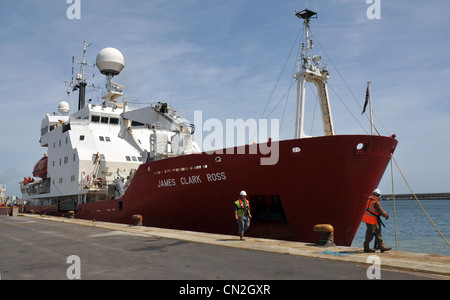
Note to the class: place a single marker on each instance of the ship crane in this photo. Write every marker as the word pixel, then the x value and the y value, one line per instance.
pixel 311 70
pixel 171 135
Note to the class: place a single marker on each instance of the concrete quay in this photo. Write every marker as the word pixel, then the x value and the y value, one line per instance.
pixel 422 265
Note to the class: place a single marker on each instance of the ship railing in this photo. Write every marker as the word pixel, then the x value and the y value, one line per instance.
pixel 136 103
pixel 98 184
pixel 38 187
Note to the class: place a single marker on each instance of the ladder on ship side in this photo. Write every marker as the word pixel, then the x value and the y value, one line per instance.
pixel 96 170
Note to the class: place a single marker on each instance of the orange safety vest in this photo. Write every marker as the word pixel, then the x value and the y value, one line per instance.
pixel 371 214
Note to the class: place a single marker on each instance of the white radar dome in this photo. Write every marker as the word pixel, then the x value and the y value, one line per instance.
pixel 63 107
pixel 110 61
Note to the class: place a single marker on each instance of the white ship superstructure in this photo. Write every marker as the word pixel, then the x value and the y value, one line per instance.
pixel 93 153
pixel 84 154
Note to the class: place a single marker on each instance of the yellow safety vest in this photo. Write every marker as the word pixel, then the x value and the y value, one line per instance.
pixel 241 208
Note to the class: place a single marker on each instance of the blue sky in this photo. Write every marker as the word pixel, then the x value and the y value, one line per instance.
pixel 224 58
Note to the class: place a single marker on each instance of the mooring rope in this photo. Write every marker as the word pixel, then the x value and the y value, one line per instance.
pixel 429 218
pixel 393 199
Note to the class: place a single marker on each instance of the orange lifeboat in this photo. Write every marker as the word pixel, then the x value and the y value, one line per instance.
pixel 40 169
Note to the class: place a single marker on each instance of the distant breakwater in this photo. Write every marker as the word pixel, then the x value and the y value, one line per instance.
pixel 426 196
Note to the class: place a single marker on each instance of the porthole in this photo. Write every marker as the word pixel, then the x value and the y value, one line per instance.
pixel 361 148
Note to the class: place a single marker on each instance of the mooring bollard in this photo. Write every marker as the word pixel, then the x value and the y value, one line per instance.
pixel 326 235
pixel 14 211
pixel 137 220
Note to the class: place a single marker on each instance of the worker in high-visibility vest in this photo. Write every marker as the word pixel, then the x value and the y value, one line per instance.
pixel 371 217
pixel 242 213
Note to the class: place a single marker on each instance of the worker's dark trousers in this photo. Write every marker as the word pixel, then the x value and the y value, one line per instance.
pixel 373 230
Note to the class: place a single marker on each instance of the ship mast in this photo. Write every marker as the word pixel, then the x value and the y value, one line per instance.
pixel 81 78
pixel 311 70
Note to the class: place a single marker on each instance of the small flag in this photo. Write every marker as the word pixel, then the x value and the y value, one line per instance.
pixel 367 100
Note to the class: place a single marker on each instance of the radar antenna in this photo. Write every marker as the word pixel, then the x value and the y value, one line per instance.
pixel 110 63
pixel 79 81
pixel 81 78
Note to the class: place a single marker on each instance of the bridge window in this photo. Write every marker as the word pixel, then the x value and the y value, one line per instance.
pixel 44 130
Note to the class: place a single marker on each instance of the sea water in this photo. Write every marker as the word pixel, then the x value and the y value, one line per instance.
pixel 415 232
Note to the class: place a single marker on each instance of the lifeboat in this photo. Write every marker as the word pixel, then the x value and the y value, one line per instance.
pixel 40 169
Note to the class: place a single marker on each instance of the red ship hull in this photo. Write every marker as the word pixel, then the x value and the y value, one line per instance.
pixel 316 181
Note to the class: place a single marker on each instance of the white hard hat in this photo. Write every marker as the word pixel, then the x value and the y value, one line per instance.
pixel 377 192
pixel 243 193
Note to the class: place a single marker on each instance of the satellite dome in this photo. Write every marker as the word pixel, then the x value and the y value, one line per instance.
pixel 110 61
pixel 63 107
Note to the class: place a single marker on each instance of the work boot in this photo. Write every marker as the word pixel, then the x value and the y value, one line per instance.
pixel 383 248
pixel 367 248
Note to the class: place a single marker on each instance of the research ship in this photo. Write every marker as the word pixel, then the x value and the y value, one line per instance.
pixel 112 161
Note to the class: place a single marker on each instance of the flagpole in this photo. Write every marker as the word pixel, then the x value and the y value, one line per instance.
pixel 370 108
